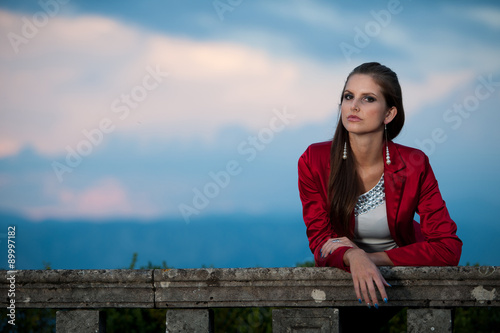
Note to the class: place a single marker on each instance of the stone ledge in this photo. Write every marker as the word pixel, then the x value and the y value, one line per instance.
pixel 248 287
pixel 324 287
pixel 76 289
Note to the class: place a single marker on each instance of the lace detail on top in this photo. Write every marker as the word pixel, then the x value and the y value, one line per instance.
pixel 371 199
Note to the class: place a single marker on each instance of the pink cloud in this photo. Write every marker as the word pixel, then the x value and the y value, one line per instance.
pixel 104 198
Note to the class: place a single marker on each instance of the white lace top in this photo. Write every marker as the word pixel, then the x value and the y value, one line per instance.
pixel 371 232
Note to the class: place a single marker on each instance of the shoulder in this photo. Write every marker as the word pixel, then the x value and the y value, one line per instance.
pixel 317 154
pixel 409 156
pixel 318 150
pixel 406 150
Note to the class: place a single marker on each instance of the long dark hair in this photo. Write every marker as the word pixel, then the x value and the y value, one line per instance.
pixel 344 185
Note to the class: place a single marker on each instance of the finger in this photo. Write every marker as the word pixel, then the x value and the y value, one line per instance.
pixel 385 283
pixel 325 250
pixel 329 247
pixel 364 292
pixel 334 246
pixel 327 243
pixel 381 289
pixel 373 292
pixel 356 289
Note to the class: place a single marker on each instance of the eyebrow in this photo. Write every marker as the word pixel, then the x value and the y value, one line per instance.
pixel 362 94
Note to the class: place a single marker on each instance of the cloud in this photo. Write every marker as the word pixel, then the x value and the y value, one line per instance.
pixel 442 49
pixel 77 72
pixel 487 16
pixel 311 13
pixel 431 72
pixel 106 197
pixel 432 89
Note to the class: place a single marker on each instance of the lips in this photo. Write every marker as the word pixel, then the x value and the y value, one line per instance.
pixel 353 118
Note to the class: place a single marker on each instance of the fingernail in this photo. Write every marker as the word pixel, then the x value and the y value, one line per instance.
pixel 360 301
pixel 369 307
pixel 385 300
pixel 376 306
pixel 389 284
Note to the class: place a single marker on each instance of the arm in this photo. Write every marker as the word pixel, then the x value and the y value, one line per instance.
pixel 314 202
pixel 441 247
pixel 380 259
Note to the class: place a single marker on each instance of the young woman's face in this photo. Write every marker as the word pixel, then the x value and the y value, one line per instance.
pixel 364 109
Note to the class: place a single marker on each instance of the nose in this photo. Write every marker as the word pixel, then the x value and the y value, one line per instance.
pixel 354 106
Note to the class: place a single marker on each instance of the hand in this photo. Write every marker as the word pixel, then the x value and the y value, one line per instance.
pixel 365 275
pixel 334 243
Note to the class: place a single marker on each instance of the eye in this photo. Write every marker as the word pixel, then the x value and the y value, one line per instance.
pixel 370 99
pixel 348 96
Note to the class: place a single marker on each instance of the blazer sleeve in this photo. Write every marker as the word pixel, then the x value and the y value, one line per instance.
pixel 441 245
pixel 315 215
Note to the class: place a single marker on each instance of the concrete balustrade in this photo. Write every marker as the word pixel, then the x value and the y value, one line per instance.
pixel 302 297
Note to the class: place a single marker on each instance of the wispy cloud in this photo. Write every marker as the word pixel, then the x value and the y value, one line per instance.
pixel 488 16
pixel 311 13
pixel 81 70
pixel 105 197
pixel 78 68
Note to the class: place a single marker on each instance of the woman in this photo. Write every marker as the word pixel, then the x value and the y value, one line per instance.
pixel 360 191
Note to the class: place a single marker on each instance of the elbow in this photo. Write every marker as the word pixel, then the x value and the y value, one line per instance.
pixel 452 251
pixel 451 261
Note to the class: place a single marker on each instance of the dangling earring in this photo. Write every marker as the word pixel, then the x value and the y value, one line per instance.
pixel 387 155
pixel 345 151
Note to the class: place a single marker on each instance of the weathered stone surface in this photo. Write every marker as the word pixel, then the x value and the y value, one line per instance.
pixel 249 287
pixel 321 320
pixel 323 287
pixel 83 288
pixel 190 321
pixel 429 320
pixel 81 321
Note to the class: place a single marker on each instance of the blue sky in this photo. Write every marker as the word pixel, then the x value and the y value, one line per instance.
pixel 132 109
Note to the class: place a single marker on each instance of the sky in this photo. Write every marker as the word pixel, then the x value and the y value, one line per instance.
pixel 193 109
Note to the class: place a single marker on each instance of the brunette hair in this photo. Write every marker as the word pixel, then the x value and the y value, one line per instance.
pixel 344 185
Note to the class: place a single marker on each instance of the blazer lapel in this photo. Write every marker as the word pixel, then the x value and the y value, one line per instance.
pixel 394 179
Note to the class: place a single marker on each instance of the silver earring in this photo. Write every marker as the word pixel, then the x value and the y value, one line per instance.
pixel 345 151
pixel 387 155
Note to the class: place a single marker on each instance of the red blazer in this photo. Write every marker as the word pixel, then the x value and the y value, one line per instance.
pixel 410 187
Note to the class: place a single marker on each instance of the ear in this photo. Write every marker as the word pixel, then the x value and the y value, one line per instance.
pixel 391 113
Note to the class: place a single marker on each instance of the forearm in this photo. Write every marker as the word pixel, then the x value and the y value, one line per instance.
pixel 380 259
pixel 445 252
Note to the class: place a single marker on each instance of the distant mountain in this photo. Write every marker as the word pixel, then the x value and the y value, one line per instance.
pixel 218 241
pixel 225 241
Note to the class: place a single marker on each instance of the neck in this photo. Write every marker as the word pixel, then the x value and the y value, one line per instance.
pixel 367 149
